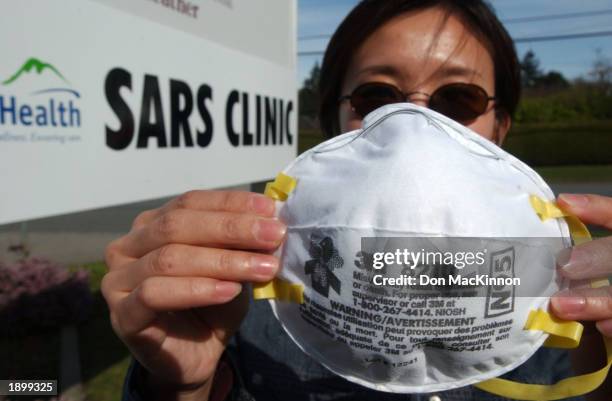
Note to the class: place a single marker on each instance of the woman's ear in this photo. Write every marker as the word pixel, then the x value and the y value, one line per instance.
pixel 502 126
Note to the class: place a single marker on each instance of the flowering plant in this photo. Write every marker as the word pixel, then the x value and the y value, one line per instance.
pixel 37 294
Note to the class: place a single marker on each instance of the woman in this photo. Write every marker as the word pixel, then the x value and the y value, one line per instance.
pixel 174 282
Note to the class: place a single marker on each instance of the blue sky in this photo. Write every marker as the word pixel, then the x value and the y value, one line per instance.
pixel 573 57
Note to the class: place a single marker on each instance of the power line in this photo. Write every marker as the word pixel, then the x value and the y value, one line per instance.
pixel 311 37
pixel 556 16
pixel 312 53
pixel 509 20
pixel 563 37
pixel 517 40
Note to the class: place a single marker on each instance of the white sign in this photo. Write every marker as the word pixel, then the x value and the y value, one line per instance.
pixel 113 101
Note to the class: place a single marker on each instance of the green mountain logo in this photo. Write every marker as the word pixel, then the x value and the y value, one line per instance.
pixel 38 66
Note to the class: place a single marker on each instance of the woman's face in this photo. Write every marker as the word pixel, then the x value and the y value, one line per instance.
pixel 418 51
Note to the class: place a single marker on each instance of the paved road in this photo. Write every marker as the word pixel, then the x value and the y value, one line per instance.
pixel 117 219
pixel 112 219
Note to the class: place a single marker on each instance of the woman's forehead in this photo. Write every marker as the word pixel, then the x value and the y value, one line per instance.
pixel 423 44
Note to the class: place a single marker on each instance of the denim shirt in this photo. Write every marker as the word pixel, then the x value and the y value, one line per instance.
pixel 268 365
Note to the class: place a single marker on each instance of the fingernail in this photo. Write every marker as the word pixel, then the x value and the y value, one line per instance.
pixel 574 200
pixel 261 204
pixel 268 230
pixel 572 260
pixel 605 327
pixel 568 302
pixel 264 265
pixel 563 257
pixel 227 289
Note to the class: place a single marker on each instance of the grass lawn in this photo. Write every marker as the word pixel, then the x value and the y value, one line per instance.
pixel 308 139
pixel 33 357
pixel 580 143
pixel 602 173
pixel 104 359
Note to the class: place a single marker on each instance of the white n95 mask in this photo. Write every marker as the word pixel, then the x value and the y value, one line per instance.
pixel 405 241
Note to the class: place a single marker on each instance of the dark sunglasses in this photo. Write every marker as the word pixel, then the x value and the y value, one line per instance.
pixel 461 102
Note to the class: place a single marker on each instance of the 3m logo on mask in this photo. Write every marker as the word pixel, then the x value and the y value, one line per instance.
pixel 500 298
pixel 321 267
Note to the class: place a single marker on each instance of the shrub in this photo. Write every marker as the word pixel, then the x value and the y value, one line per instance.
pixel 578 103
pixel 36 294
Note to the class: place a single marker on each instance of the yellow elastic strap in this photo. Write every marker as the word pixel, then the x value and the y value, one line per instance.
pixel 603 282
pixel 549 210
pixel 570 387
pixel 279 289
pixel 280 188
pixel 562 333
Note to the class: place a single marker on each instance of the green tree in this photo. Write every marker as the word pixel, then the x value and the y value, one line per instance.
pixel 308 94
pixel 534 77
pixel 530 70
pixel 552 80
pixel 601 71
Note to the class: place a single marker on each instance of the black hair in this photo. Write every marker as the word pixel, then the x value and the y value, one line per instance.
pixel 369 15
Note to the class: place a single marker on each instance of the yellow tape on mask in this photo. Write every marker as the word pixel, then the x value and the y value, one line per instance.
pixel 279 289
pixel 549 210
pixel 280 188
pixel 562 334
pixel 580 233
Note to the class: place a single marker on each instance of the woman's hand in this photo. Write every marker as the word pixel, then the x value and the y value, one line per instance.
pixel 174 281
pixel 588 261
